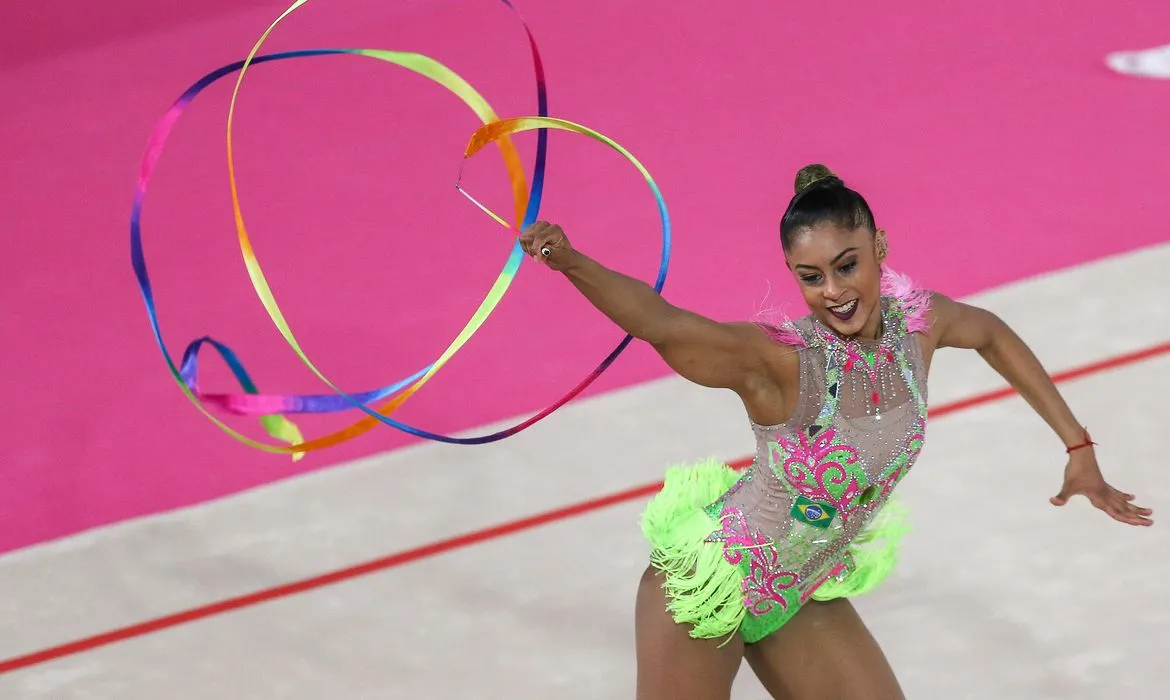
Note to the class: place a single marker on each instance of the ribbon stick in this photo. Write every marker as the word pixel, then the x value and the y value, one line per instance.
pixel 502 129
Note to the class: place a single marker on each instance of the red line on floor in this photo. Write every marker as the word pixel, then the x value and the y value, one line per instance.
pixel 471 538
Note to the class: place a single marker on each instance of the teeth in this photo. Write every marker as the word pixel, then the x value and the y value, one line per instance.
pixel 844 308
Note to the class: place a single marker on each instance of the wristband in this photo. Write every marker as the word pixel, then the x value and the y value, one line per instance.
pixel 1088 442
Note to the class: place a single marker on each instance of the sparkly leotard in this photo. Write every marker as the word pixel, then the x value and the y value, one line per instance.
pixel 786 525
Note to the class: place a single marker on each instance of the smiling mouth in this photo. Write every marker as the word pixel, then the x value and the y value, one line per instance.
pixel 845 311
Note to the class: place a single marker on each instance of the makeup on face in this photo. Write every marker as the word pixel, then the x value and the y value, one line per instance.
pixel 836 278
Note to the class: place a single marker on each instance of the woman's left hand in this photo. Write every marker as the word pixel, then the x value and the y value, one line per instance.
pixel 1082 476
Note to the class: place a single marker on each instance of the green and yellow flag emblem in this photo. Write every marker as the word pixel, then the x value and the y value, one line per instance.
pixel 813 513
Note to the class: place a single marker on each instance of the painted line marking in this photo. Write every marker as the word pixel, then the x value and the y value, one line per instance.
pixel 478 536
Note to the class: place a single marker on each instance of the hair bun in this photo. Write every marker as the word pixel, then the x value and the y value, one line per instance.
pixel 810 174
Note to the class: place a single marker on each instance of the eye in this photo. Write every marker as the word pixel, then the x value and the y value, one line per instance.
pixel 848 267
pixel 810 279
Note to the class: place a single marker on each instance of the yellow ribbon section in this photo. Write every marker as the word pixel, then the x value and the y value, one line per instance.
pixel 278 426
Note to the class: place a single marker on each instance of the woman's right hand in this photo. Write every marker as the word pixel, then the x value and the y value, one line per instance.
pixel 547 243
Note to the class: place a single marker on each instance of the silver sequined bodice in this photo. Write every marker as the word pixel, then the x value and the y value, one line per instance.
pixel 819 477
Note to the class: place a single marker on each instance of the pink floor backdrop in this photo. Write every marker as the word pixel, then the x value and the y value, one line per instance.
pixel 989 137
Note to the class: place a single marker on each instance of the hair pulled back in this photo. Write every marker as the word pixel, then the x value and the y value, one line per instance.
pixel 822 197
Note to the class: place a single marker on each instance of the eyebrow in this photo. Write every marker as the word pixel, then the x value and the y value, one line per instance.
pixel 831 262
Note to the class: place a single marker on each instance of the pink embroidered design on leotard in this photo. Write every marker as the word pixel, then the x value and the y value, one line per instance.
pixel 819 469
pixel 763 586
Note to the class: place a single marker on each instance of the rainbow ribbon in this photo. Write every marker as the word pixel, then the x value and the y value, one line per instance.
pixel 272 408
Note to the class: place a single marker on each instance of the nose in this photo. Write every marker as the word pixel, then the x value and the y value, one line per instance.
pixel 832 290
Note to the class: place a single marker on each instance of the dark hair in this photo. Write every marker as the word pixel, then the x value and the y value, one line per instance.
pixel 822 196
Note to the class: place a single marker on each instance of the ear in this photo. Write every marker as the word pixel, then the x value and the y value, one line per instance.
pixel 880 245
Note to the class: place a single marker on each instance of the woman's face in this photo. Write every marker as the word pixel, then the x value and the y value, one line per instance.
pixel 839 273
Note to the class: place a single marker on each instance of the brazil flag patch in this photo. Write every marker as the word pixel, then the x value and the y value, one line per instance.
pixel 813 513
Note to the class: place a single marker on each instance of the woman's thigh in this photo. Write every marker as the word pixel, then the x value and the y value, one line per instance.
pixel 671 664
pixel 826 652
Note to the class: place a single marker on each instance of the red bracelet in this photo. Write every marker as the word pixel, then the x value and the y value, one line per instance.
pixel 1088 441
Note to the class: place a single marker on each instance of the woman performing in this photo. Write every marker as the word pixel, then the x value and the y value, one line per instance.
pixel 760 565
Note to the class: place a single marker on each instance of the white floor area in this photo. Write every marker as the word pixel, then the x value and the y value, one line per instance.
pixel 999 595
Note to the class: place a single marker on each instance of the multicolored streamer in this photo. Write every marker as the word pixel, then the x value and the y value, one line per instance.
pixel 272 408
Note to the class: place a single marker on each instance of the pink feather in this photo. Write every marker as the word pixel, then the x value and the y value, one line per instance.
pixel 785 333
pixel 914 300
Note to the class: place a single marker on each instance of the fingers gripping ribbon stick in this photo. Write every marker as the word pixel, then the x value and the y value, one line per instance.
pixel 272 408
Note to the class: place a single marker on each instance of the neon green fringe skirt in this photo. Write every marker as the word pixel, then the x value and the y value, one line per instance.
pixel 706 592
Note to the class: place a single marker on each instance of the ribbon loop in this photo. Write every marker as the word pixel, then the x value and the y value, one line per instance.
pixel 272 408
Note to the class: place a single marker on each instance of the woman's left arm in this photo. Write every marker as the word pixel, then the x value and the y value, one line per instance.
pixel 959 325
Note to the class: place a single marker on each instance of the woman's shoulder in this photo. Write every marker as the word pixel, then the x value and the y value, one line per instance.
pixel 909 305
pixel 793 333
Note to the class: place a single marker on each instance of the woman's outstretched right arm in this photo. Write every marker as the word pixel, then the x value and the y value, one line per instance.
pixel 723 355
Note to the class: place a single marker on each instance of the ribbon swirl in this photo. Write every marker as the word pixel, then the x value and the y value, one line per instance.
pixel 272 408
